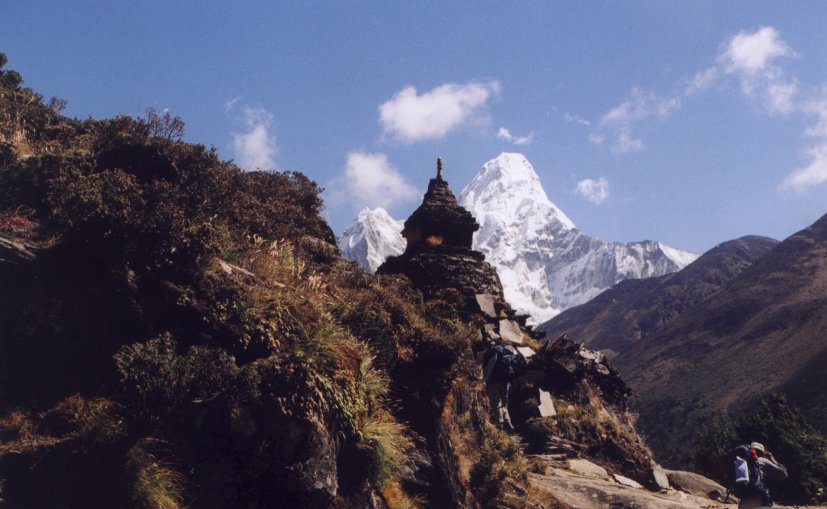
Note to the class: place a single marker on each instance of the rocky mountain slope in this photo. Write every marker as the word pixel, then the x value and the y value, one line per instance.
pixel 763 332
pixel 636 308
pixel 545 263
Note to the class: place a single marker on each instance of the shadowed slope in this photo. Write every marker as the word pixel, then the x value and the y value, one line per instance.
pixel 764 332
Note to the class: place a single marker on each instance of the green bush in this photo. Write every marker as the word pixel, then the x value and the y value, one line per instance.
pixel 156 381
pixel 785 432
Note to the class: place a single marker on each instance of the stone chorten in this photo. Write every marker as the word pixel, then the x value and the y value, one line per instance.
pixel 438 258
pixel 439 220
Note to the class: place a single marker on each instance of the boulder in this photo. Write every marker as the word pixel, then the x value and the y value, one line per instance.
pixel 625 481
pixel 695 484
pixel 659 477
pixel 588 469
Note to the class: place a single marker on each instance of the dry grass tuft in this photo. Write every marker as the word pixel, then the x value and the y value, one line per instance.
pixel 392 446
pixel 16 425
pixel 396 498
pixel 156 484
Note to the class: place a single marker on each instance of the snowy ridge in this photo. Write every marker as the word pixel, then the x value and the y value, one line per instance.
pixel 545 263
pixel 373 237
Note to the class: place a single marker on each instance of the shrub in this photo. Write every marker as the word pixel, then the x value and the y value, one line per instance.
pixel 16 425
pixel 391 444
pixel 156 381
pixel 785 432
pixel 95 420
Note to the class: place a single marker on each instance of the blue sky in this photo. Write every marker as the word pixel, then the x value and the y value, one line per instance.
pixel 686 122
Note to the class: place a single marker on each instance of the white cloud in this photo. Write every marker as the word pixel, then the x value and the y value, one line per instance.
pixel 595 191
pixel 781 95
pixel 411 117
pixel 505 134
pixel 255 148
pixel 597 139
pixel 575 119
pixel 817 107
pixel 230 105
pixel 702 81
pixel 752 58
pixel 370 180
pixel 754 52
pixel 640 106
pixel 625 143
pixel 813 174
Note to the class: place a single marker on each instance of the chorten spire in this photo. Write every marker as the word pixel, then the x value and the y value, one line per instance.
pixel 439 168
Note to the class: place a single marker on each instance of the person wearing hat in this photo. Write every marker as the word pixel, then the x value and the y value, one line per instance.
pixel 770 470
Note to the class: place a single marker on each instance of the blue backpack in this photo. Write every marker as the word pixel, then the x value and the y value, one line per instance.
pixel 745 475
pixel 501 365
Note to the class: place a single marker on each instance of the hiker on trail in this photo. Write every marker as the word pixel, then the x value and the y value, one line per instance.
pixel 499 367
pixel 753 467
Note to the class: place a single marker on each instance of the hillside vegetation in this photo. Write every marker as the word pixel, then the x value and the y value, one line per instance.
pixel 175 332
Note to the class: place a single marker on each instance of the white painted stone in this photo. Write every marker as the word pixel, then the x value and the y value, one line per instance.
pixel 546 405
pixel 511 331
pixel 486 304
pixel 525 351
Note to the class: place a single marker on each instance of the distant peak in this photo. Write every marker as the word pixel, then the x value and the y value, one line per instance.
pixel 510 155
pixel 506 181
pixel 378 211
pixel 511 166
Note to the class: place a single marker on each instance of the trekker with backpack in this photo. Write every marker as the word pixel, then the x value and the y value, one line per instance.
pixel 751 466
pixel 499 369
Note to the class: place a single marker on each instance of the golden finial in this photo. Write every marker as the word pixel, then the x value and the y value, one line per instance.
pixel 439 168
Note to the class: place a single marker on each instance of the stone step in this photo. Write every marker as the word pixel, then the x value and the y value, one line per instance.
pixel 551 457
pixel 561 442
pixel 567 453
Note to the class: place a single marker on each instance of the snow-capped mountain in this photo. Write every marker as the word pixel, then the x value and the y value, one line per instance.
pixel 545 263
pixel 374 236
